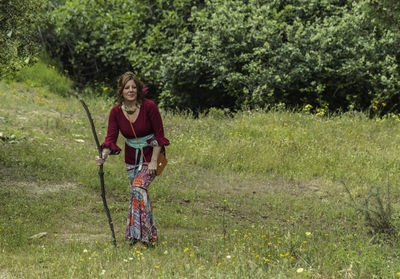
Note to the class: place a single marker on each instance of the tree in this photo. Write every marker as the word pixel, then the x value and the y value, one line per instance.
pixel 19 36
pixel 262 53
pixel 97 40
pixel 385 12
pixel 233 53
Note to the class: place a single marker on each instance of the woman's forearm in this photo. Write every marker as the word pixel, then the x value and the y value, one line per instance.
pixel 105 153
pixel 156 153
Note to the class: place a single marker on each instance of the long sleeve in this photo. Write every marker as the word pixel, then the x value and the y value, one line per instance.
pixel 112 133
pixel 157 124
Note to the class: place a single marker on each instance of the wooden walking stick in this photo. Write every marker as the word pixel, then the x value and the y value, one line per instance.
pixel 101 173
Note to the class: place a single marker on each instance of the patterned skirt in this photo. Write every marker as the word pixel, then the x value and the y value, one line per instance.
pixel 140 223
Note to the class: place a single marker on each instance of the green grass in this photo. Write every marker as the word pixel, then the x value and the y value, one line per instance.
pixel 257 195
pixel 46 74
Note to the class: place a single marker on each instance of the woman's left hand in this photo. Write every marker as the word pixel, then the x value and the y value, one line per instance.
pixel 152 168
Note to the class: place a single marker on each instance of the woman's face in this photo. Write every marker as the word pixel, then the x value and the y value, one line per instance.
pixel 130 91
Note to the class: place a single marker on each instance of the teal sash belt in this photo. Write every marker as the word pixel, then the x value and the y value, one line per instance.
pixel 139 144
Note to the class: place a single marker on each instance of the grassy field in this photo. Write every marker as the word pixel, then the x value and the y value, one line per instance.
pixel 255 195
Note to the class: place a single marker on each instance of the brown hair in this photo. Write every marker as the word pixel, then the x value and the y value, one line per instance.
pixel 124 78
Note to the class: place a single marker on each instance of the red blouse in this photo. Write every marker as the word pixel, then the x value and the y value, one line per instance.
pixel 148 122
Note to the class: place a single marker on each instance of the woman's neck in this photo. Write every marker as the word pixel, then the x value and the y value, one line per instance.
pixel 130 104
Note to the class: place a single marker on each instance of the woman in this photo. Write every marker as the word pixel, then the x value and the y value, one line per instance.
pixel 139 121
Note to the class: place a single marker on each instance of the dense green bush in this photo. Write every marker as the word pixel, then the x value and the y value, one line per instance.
pixel 19 39
pixel 385 12
pixel 313 52
pixel 233 53
pixel 98 40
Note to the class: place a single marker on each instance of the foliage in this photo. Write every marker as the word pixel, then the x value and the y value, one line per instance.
pixel 18 36
pixel 385 12
pixel 98 40
pixel 265 53
pixel 234 54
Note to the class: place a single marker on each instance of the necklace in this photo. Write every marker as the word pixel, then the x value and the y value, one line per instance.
pixel 129 111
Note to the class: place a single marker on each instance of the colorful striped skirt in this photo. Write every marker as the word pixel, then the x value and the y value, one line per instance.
pixel 140 223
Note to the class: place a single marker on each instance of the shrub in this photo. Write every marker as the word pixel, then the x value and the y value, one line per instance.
pixel 385 12
pixel 99 40
pixel 292 52
pixel 377 211
pixel 19 41
pixel 199 54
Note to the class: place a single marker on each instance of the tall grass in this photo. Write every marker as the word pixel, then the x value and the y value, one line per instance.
pixel 256 195
pixel 46 73
pixel 349 147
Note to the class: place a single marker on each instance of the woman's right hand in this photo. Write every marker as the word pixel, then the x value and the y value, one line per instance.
pixel 104 154
pixel 100 161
